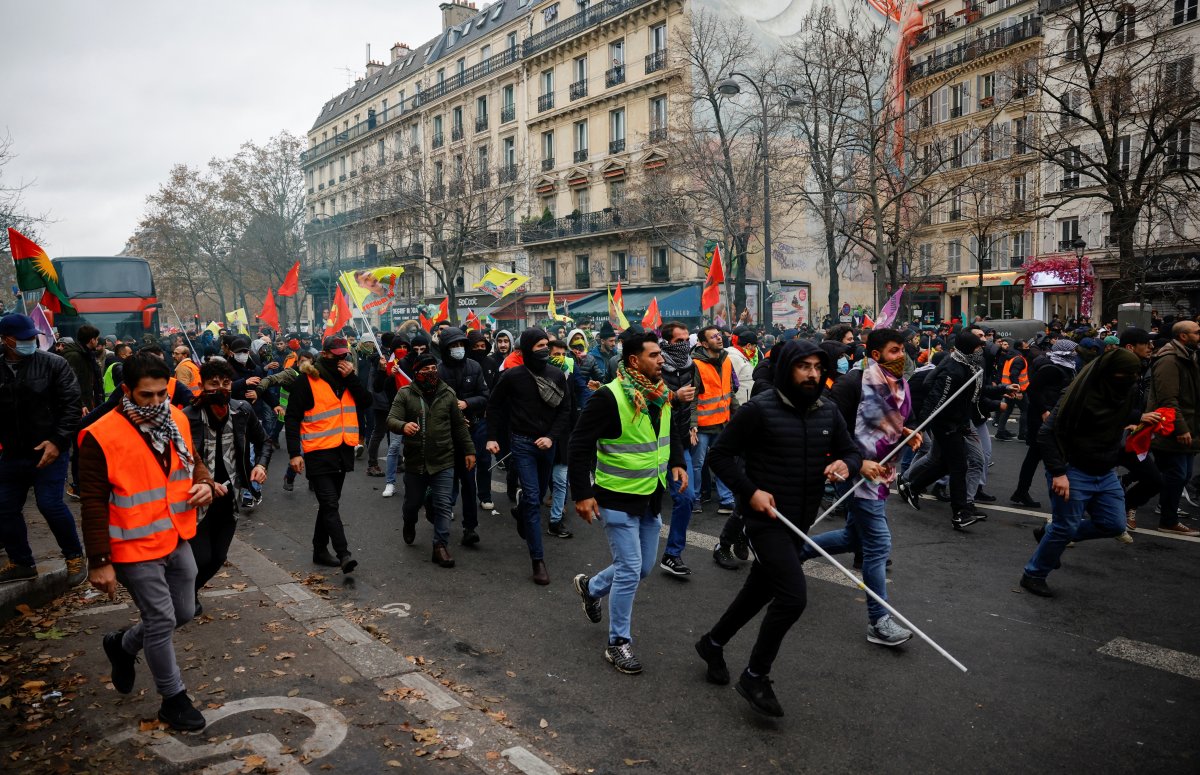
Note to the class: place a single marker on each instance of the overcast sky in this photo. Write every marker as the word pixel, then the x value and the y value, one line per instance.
pixel 100 99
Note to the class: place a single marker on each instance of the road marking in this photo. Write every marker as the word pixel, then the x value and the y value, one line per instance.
pixel 399 610
pixel 295 592
pixel 1170 660
pixel 101 609
pixel 435 695
pixel 226 592
pixel 526 762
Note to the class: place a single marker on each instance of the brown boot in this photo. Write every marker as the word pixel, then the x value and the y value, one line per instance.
pixel 541 576
pixel 441 556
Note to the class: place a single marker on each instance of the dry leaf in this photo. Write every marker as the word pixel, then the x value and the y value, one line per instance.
pixel 253 762
pixel 426 735
pixel 149 725
pixel 447 753
pixel 346 679
pixel 6 702
pixel 25 610
pixel 543 723
pixel 284 655
pixel 239 587
pixel 498 715
pixel 279 672
pixel 394 763
pixel 293 692
pixel 239 670
pixel 636 762
pixel 492 756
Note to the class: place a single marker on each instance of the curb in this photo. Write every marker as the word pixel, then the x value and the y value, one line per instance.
pixel 34 593
pixel 473 735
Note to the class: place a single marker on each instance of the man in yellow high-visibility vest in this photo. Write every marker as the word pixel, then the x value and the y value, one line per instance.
pixel 625 435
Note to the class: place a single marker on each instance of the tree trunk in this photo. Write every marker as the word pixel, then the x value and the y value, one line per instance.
pixel 741 245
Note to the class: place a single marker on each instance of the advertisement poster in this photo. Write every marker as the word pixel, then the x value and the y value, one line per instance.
pixel 791 305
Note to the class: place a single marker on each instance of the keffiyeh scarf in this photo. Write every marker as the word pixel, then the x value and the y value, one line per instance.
pixel 156 422
pixel 1063 354
pixel 640 391
pixel 879 423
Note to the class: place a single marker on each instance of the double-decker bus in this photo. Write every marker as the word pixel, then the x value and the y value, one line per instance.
pixel 113 293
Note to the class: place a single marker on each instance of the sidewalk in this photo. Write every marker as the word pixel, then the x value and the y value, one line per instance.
pixel 52 570
pixel 287 682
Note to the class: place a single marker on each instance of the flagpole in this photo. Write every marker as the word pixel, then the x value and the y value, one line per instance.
pixel 182 330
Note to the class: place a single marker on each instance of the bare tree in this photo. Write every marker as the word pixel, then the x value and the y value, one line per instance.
pixel 13 212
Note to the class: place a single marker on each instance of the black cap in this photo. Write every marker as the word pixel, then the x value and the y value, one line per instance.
pixel 1133 335
pixel 335 345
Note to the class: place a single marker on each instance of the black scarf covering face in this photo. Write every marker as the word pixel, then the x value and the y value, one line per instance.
pixel 1095 407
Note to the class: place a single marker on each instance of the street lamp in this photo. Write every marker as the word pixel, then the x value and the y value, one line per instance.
pixel 729 87
pixel 1079 245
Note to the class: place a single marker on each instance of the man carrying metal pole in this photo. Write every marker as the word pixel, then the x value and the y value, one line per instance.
pixel 777 452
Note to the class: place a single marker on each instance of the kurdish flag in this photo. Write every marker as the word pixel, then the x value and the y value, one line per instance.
pixel 35 271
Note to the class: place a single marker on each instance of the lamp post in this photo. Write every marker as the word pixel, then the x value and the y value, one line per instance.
pixel 1079 245
pixel 729 87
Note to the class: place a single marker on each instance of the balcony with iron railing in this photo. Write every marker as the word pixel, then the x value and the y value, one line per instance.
pixel 660 274
pixel 617 276
pixel 481 124
pixel 545 102
pixel 578 89
pixel 456 132
pixel 374 121
pixel 470 75
pixel 583 280
pixel 658 134
pixel 581 225
pixel 616 146
pixel 439 140
pixel 614 76
pixel 507 173
pixel 548 164
pixel 508 113
pixel 549 283
pixel 656 61
pixel 580 22
pixel 976 48
pixel 581 155
pixel 482 180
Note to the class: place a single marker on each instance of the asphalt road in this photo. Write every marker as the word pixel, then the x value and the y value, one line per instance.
pixel 1046 687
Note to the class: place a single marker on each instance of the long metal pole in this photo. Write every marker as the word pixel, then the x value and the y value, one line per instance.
pixel 858 583
pixel 901 445
pixel 767 315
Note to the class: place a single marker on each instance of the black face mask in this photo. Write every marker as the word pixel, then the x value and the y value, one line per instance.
pixel 538 359
pixel 214 398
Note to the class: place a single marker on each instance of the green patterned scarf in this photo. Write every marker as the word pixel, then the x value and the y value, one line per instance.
pixel 640 391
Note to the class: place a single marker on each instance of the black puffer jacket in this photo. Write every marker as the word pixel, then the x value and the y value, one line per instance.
pixel 465 377
pixel 39 402
pixel 772 446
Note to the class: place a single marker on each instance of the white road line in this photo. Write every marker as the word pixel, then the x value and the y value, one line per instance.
pixel 226 592
pixel 1170 660
pixel 101 609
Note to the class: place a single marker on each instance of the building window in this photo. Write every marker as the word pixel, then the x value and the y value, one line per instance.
pixel 1073 49
pixel 583 266
pixel 925 260
pixel 580 67
pixel 1125 28
pixel 548 145
pixel 616 266
pixel 1071 164
pixel 550 271
pixel 616 123
pixel 1123 151
pixel 485 53
pixel 1185 11
pixel 1177 76
pixel 547 81
pixel 1068 232
pixel 658 38
pixel 511 41
pixel 509 153
pixel 616 52
pixel 548 204
pixel 581 140
pixel 616 193
pixel 954 256
pixel 1177 149
pixel 481 114
pixel 583 200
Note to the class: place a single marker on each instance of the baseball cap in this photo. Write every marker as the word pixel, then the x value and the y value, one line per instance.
pixel 18 326
pixel 1133 335
pixel 335 345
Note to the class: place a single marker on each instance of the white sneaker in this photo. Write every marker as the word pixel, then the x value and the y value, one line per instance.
pixel 389 490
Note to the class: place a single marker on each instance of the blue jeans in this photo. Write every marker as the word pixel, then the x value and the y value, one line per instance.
pixel 681 511
pixel 699 452
pixel 1176 470
pixel 866 529
pixel 558 496
pixel 395 450
pixel 439 485
pixel 534 468
pixel 634 544
pixel 17 475
pixel 1101 497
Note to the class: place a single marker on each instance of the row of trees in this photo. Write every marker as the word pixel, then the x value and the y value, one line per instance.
pixel 13 212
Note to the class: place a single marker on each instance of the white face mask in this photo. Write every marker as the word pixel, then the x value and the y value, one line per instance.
pixel 242 358
pixel 458 353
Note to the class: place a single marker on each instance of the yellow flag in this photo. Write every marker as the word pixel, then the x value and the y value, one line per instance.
pixel 372 289
pixel 551 308
pixel 499 283
pixel 238 317
pixel 616 308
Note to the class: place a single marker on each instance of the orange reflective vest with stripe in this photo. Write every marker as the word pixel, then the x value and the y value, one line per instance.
pixel 193 379
pixel 1022 378
pixel 714 401
pixel 330 423
pixel 148 511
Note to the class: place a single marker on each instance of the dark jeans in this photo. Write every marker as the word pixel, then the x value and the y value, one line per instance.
pixel 328 489
pixel 950 451
pixel 440 502
pixel 1022 419
pixel 214 534
pixel 776 581
pixel 1143 481
pixel 468 483
pixel 534 467
pixel 1099 498
pixel 483 461
pixel 17 475
pixel 1176 470
pixel 378 433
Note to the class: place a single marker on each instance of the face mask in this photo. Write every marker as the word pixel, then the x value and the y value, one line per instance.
pixel 27 347
pixel 976 360
pixel 540 356
pixel 458 353
pixel 843 365
pixel 560 361
pixel 894 367
pixel 215 397
pixel 427 381
pixel 242 358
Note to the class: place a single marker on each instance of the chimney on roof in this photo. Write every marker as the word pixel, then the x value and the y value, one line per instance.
pixel 399 51
pixel 373 67
pixel 456 13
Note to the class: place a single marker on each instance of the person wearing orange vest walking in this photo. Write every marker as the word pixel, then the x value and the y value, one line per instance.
pixel 716 399
pixel 137 519
pixel 186 370
pixel 321 424
pixel 1014 370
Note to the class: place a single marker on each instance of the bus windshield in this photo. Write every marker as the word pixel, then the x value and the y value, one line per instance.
pixel 103 276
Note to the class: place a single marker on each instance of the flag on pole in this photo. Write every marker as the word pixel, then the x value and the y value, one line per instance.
pixel 616 307
pixel 473 321
pixel 443 312
pixel 652 319
pixel 867 322
pixel 552 308
pixel 711 296
pixel 426 323
pixel 291 283
pixel 269 314
pixel 45 332
pixel 340 315
pixel 887 316
pixel 499 284
pixel 238 317
pixel 34 271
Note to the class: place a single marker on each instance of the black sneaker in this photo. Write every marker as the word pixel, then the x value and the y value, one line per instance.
pixel 1023 499
pixel 1004 436
pixel 288 486
pixel 516 515
pixel 940 492
pixel 963 519
pixel 409 532
pixel 591 605
pixel 470 537
pixel 620 655
pixel 910 496
pixel 122 662
pixel 178 713
pixel 741 547
pixel 348 563
pixel 983 496
pixel 723 557
pixel 323 557
pixel 759 694
pixel 714 657
pixel 979 514
pixel 725 509
pixel 1035 585
pixel 558 529
pixel 674 566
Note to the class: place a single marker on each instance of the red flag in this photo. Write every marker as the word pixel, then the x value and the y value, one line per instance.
pixel 652 319
pixel 473 322
pixel 711 296
pixel 443 312
pixel 341 314
pixel 426 323
pixel 269 314
pixel 291 283
pixel 867 322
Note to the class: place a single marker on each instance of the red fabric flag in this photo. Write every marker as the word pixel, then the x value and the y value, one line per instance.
pixel 867 322
pixel 1138 442
pixel 473 322
pixel 269 314
pixel 426 323
pixel 711 296
pixel 341 314
pixel 652 319
pixel 291 283
pixel 443 312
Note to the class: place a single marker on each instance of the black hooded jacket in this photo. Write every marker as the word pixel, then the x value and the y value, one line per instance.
pixel 464 377
pixel 773 445
pixel 515 405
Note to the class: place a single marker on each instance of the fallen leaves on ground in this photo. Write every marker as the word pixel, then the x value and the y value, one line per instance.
pixel 426 735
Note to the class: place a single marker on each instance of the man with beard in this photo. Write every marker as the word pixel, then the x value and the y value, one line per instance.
pixel 626 436
pixel 224 430
pixel 1175 384
pixel 777 452
pixel 606 347
pixel 465 378
pixel 718 387
pixel 679 374
pixel 501 349
pixel 1081 442
pixel 322 432
pixel 529 406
